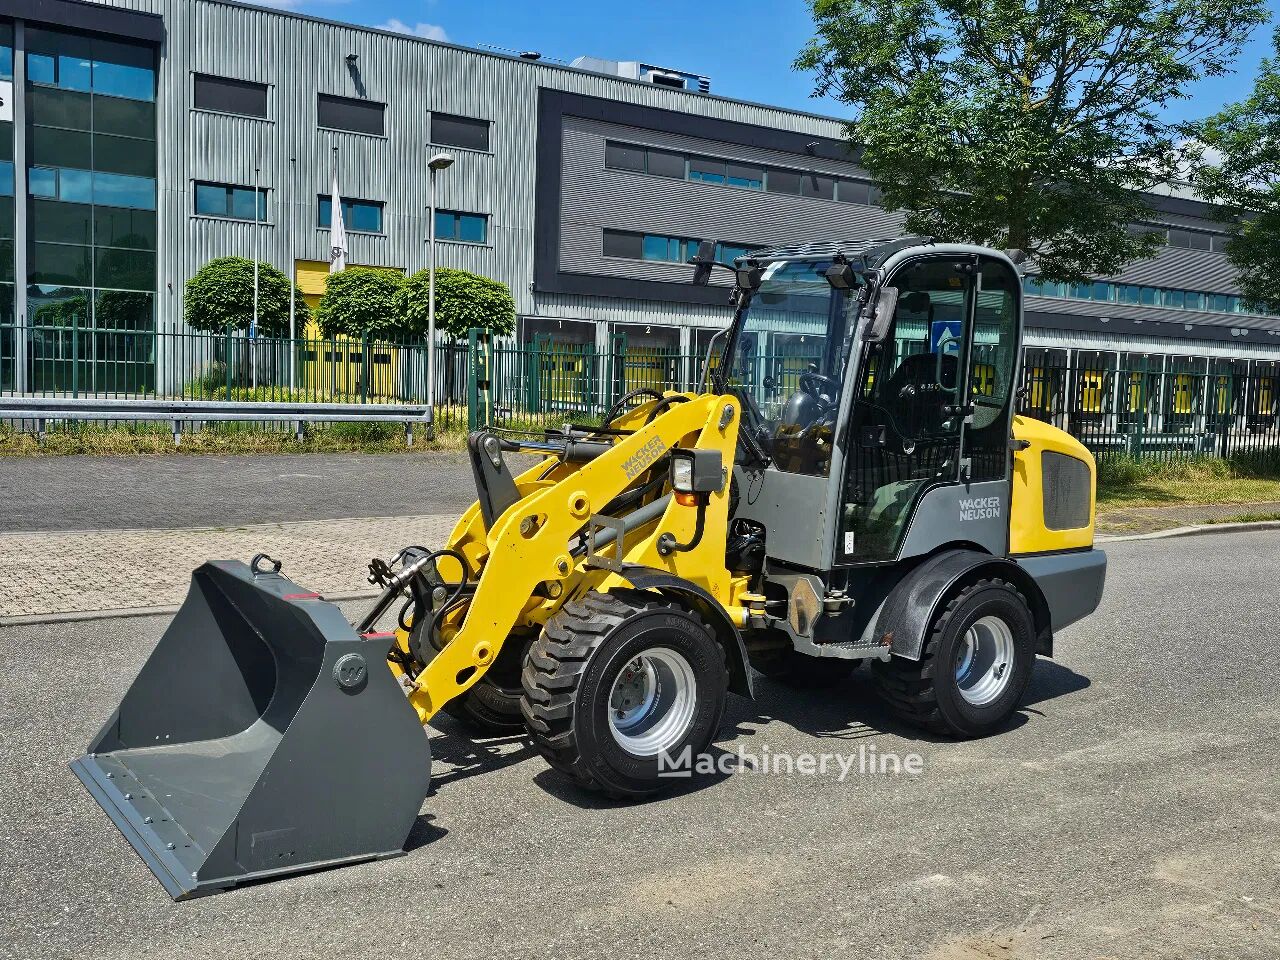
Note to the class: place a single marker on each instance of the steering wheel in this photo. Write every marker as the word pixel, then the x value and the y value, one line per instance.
pixel 812 383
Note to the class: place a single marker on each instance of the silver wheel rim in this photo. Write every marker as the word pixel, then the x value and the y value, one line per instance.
pixel 984 665
pixel 652 702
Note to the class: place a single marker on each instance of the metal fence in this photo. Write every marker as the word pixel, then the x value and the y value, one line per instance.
pixel 1143 406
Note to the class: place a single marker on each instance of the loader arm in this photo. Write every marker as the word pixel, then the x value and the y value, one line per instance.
pixel 528 546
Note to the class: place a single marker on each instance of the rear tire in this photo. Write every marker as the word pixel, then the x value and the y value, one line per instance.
pixel 975 666
pixel 615 680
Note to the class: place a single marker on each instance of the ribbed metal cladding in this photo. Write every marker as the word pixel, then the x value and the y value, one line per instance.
pixel 299 57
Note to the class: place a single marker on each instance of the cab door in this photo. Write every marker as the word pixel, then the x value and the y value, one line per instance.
pixel 934 403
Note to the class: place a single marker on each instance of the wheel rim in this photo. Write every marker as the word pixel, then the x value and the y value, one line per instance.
pixel 652 702
pixel 984 665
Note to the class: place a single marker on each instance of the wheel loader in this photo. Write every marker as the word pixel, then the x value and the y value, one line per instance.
pixel 852 486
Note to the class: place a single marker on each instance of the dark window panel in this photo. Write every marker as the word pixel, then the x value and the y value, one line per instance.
pixel 620 156
pixel 446 225
pixel 1201 241
pixel 354 116
pixel 118 190
pixel 6 139
pixel 117 227
pixel 61 307
pixel 124 310
pixel 1179 238
pixel 61 222
pixel 60 108
pixel 243 205
pixel 664 164
pixel 125 269
pixel 783 181
pixel 364 217
pixel 1219 244
pixel 706 170
pixel 814 185
pixel 123 155
pixel 56 263
pixel 128 118
pixel 620 244
pixel 6 276
pixel 6 216
pixel 226 95
pixel 60 148
pixel 853 191
pixel 472 228
pixel 667 249
pixel 455 131
pixel 211 199
pixel 740 175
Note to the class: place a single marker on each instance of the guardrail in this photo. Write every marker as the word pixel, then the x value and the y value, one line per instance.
pixel 41 410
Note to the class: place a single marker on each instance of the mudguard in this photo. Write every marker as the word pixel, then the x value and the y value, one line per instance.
pixel 647 578
pixel 912 605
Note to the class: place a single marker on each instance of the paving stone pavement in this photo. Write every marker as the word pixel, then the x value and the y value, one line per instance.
pixel 65 572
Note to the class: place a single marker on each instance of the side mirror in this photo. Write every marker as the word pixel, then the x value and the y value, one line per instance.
pixel 882 318
pixel 702 261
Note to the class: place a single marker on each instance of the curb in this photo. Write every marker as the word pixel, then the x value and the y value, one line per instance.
pixel 1196 530
pixel 79 616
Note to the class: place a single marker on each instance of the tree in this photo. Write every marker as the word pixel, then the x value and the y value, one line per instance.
pixel 1245 182
pixel 360 301
pixel 220 295
pixel 1025 126
pixel 463 300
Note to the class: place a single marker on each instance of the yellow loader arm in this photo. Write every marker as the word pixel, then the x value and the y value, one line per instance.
pixel 526 567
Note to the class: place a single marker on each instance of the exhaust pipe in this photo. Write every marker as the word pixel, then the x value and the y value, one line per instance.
pixel 263 737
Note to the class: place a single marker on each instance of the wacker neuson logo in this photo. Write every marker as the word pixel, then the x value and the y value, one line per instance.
pixel 980 508
pixel 865 761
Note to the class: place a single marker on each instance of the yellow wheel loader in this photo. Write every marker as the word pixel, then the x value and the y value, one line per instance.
pixel 884 505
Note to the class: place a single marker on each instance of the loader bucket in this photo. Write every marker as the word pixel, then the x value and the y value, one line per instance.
pixel 263 736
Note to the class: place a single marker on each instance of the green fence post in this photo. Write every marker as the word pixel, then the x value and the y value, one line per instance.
pixel 226 359
pixel 364 368
pixel 75 356
pixel 479 378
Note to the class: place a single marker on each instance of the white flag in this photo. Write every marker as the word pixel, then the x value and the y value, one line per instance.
pixel 337 232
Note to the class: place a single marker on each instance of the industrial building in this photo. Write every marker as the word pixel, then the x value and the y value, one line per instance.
pixel 142 138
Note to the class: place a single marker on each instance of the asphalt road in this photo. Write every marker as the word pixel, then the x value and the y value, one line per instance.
pixel 1129 811
pixel 91 493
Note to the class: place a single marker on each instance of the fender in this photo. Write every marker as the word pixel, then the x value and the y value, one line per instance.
pixel 735 651
pixel 918 597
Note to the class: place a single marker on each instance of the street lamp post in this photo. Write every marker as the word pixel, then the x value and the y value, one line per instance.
pixel 440 161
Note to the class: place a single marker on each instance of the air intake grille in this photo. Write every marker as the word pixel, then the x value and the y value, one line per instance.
pixel 1068 488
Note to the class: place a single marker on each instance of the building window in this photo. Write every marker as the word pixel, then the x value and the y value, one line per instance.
pixel 1190 239
pixel 89 186
pixel 226 200
pixel 225 95
pixel 451 131
pixel 664 249
pixel 358 216
pixel 353 116
pixel 462 227
pixel 1129 293
pixel 97 65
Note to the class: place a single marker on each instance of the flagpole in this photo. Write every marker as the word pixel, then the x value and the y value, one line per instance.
pixel 257 255
pixel 293 277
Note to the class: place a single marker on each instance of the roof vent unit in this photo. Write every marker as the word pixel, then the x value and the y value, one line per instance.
pixel 646 73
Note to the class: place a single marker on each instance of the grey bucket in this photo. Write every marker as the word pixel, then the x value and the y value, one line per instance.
pixel 262 737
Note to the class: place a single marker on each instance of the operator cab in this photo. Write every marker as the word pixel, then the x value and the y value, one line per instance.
pixel 889 367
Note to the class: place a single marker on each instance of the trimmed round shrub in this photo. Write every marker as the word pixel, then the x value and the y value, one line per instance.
pixel 220 295
pixel 361 301
pixel 463 300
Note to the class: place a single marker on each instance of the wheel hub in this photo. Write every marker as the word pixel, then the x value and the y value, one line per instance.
pixel 984 664
pixel 652 701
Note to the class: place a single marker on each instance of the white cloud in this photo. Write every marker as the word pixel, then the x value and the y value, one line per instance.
pixel 428 31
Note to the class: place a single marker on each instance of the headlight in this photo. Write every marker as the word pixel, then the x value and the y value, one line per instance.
pixel 695 474
pixel 681 473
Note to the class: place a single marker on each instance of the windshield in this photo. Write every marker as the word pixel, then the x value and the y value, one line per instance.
pixel 786 363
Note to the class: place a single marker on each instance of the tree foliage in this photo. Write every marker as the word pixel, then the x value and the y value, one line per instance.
pixel 220 295
pixel 1244 179
pixel 1025 126
pixel 361 301
pixel 463 300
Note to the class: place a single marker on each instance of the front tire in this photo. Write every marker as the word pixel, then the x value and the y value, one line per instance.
pixel 615 681
pixel 975 666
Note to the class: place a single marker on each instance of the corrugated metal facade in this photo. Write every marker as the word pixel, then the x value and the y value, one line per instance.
pixel 299 57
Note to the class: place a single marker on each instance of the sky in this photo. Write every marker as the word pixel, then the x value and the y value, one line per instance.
pixel 746 47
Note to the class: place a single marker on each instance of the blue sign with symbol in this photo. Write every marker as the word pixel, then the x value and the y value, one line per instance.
pixel 944 336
